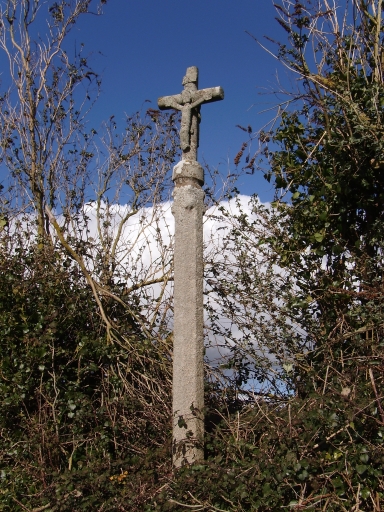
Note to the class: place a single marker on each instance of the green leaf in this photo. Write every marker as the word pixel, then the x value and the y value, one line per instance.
pixel 361 468
pixel 303 475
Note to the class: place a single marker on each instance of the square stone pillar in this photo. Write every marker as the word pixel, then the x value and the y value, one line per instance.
pixel 188 350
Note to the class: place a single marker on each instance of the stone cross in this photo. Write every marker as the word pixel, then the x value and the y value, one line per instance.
pixel 188 209
pixel 188 102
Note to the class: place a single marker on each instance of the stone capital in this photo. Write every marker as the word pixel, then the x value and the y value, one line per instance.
pixel 188 169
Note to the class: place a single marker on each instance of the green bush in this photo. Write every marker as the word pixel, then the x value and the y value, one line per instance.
pixel 73 405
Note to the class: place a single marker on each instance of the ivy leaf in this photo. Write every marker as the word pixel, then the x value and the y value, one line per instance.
pixel 361 468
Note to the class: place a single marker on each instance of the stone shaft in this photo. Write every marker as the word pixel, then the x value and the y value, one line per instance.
pixel 188 209
pixel 188 351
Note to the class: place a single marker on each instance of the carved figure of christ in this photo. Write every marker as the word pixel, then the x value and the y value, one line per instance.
pixel 189 102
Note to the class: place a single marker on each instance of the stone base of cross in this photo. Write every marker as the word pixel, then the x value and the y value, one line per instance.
pixel 188 210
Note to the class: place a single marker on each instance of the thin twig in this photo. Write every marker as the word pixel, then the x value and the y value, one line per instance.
pixel 376 394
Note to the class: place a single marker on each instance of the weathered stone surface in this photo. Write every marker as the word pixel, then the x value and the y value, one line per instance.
pixel 188 350
pixel 188 169
pixel 188 209
pixel 189 102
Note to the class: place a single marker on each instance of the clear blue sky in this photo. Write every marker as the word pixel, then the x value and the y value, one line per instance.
pixel 147 45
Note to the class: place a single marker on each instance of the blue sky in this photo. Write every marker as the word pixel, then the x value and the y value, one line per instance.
pixel 146 46
pixel 142 48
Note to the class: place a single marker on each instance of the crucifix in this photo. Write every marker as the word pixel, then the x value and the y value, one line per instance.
pixel 188 102
pixel 188 210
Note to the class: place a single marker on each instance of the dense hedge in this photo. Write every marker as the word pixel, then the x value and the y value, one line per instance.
pixel 73 405
pixel 75 437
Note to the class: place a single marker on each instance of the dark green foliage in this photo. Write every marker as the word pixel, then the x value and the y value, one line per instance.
pixel 71 412
pixel 325 160
pixel 273 455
